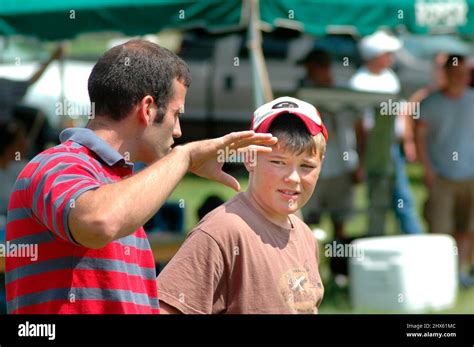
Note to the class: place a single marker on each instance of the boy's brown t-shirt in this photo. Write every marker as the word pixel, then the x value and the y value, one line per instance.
pixel 237 261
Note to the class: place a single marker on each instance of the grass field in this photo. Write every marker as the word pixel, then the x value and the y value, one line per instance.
pixel 193 190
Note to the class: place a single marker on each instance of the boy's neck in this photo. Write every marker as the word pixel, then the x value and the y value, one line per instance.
pixel 280 220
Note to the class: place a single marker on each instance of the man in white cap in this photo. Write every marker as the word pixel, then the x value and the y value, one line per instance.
pixel 385 165
pixel 377 51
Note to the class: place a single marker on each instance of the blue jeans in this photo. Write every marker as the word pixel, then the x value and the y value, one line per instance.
pixel 402 202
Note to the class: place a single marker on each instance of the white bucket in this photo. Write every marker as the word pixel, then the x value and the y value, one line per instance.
pixel 409 273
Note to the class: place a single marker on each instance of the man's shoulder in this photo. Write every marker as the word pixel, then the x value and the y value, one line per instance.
pixel 437 97
pixel 63 157
pixel 362 80
pixel 469 94
pixel 385 82
pixel 430 105
pixel 70 151
pixel 434 96
pixel 360 75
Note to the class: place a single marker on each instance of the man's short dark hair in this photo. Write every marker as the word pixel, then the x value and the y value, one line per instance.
pixel 318 57
pixel 126 73
pixel 454 60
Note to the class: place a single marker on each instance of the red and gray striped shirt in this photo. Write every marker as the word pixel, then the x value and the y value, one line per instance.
pixel 65 277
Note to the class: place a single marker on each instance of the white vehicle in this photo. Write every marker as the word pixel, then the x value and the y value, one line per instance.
pixel 221 95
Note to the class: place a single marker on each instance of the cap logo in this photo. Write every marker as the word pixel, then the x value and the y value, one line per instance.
pixel 285 104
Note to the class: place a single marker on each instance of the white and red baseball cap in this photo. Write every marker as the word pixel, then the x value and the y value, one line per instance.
pixel 265 114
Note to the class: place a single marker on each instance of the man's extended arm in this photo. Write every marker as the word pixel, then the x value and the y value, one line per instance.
pixel 116 210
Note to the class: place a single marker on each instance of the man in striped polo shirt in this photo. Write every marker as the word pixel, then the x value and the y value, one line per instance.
pixel 80 205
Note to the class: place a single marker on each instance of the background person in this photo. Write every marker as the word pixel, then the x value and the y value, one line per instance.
pixel 439 79
pixel 342 167
pixel 385 165
pixel 445 148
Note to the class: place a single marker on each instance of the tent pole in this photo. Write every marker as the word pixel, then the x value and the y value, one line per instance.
pixel 261 81
pixel 64 121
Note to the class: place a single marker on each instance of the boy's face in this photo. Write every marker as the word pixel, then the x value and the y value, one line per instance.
pixel 281 181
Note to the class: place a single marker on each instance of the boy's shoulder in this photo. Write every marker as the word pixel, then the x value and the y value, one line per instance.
pixel 227 219
pixel 237 218
pixel 304 228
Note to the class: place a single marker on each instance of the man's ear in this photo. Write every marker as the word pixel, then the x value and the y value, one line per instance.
pixel 146 109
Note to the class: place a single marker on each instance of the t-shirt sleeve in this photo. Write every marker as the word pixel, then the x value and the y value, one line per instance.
pixel 55 189
pixel 193 280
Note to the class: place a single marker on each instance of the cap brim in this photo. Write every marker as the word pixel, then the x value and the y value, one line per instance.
pixel 312 127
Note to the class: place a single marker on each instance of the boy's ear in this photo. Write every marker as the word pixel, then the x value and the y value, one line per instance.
pixel 250 161
pixel 249 166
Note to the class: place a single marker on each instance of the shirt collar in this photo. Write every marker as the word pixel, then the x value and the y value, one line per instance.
pixel 89 139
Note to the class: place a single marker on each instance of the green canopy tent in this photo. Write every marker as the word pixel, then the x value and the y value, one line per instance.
pixel 363 17
pixel 63 19
pixel 59 19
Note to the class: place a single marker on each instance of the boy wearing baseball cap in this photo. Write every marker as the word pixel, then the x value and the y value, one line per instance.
pixel 252 254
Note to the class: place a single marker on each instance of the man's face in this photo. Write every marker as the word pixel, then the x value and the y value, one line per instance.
pixel 384 61
pixel 320 75
pixel 457 76
pixel 282 182
pixel 159 137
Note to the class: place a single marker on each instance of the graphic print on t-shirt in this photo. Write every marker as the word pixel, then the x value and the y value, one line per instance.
pixel 298 292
